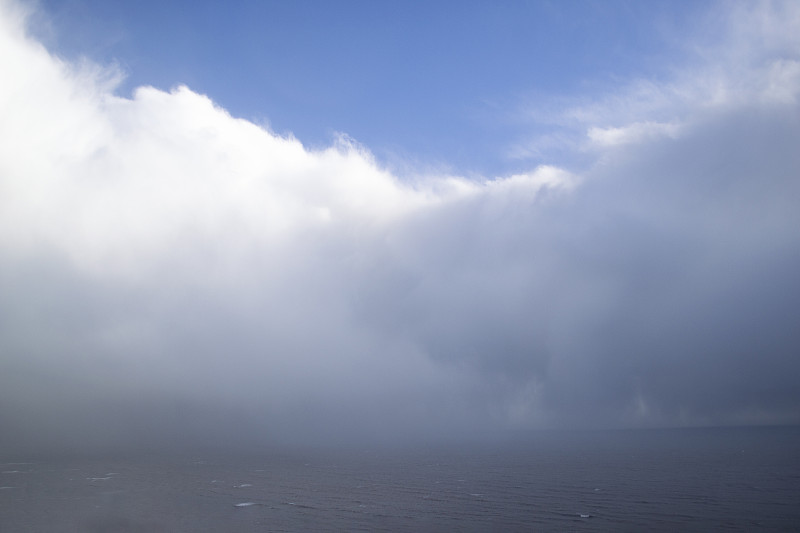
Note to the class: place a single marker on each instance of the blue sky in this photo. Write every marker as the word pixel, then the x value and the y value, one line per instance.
pixel 355 223
pixel 445 84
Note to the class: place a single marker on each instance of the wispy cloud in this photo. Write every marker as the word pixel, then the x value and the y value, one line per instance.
pixel 746 54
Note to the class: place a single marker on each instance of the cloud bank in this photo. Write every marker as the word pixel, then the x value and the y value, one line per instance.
pixel 170 273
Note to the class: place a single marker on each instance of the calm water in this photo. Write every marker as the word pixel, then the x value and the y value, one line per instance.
pixel 670 480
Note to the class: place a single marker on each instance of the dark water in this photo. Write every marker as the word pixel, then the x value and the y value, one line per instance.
pixel 665 480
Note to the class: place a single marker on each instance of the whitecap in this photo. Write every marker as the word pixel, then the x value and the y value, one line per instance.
pixel 244 504
pixel 243 485
pixel 585 515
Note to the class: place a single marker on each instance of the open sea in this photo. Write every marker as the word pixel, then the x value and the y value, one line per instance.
pixel 741 479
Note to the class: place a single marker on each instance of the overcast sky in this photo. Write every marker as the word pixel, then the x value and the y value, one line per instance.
pixel 361 222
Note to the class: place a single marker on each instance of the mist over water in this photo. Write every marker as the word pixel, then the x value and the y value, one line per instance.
pixel 172 274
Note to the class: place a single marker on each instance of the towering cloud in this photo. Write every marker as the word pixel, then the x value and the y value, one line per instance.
pixel 168 271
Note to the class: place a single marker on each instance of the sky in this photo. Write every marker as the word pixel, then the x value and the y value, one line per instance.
pixel 316 223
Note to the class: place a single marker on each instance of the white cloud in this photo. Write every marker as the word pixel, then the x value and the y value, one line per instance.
pixel 189 218
pixel 632 133
pixel 156 246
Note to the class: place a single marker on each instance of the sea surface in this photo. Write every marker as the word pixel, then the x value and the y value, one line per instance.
pixel 740 479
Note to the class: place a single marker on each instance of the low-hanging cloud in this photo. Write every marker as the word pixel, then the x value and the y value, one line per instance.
pixel 169 272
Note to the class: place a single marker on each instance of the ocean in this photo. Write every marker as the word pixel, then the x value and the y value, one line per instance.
pixel 739 479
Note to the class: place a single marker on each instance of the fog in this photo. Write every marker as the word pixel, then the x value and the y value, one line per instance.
pixel 172 275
